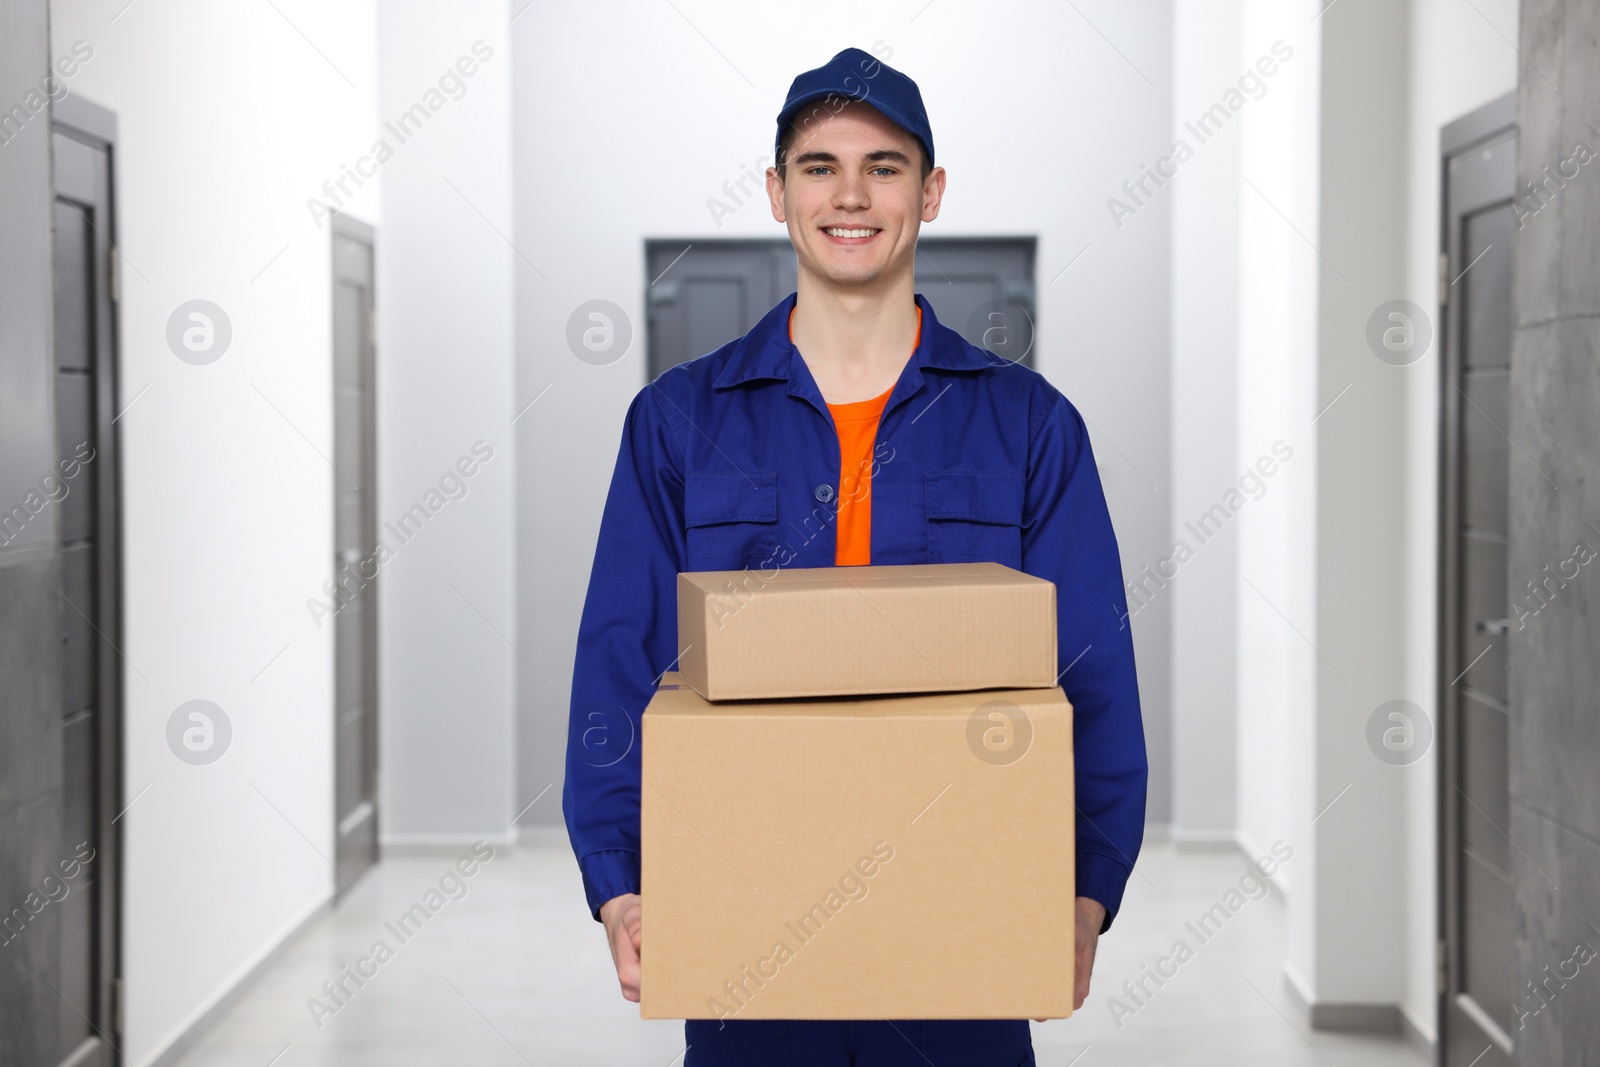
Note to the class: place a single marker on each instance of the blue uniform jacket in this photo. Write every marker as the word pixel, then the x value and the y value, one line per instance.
pixel 732 461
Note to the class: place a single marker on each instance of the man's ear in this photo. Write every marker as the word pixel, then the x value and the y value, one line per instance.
pixel 932 194
pixel 775 193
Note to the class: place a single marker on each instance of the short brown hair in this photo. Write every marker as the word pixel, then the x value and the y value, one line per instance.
pixel 786 142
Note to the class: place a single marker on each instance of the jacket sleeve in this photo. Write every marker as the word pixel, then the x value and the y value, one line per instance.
pixel 1068 539
pixel 627 638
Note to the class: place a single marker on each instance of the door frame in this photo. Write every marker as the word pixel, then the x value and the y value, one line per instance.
pixel 74 117
pixel 1492 120
pixel 344 227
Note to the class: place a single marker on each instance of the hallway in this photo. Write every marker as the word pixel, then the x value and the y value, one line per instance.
pixel 514 973
pixel 370 375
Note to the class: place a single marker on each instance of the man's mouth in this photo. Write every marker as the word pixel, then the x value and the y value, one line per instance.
pixel 851 234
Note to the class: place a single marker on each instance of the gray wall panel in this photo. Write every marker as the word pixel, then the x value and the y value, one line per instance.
pixel 30 639
pixel 27 451
pixel 1555 498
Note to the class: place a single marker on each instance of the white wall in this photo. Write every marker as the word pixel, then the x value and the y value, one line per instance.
pixel 623 136
pixel 1277 196
pixel 229 120
pixel 1207 49
pixel 447 738
pixel 1459 62
pixel 1355 624
pixel 1243 344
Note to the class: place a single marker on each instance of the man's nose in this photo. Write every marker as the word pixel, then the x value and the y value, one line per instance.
pixel 850 193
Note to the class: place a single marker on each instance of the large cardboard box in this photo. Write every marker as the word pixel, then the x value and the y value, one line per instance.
pixel 906 857
pixel 828 631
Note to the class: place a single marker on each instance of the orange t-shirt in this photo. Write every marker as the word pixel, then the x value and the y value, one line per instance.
pixel 857 426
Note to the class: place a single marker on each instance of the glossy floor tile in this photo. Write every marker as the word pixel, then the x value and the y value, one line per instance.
pixel 513 972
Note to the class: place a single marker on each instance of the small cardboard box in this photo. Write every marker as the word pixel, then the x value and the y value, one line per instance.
pixel 906 857
pixel 830 631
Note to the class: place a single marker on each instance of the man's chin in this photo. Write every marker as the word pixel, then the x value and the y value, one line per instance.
pixel 852 277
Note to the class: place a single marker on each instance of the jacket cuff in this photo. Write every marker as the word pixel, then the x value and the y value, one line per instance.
pixel 608 874
pixel 1102 879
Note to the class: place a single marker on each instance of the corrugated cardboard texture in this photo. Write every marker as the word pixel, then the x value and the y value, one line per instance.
pixel 889 857
pixel 828 631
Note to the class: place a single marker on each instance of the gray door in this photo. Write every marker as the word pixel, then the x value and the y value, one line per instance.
pixel 86 450
pixel 702 294
pixel 355 568
pixel 1480 170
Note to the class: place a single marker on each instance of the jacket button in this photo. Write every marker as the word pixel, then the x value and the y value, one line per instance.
pixel 824 492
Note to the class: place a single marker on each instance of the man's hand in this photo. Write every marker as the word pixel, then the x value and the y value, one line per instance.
pixel 1091 915
pixel 621 918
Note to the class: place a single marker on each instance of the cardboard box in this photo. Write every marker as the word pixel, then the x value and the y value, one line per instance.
pixel 906 857
pixel 829 631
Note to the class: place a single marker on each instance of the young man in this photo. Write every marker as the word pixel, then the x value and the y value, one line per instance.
pixel 849 427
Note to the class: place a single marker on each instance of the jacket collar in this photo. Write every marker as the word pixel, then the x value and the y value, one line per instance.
pixel 766 353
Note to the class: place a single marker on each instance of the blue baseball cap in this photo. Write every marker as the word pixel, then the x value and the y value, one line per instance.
pixel 857 75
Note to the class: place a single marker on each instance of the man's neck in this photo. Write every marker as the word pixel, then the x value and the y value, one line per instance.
pixel 855 341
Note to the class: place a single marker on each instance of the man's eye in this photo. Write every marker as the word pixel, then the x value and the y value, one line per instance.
pixel 885 170
pixel 813 170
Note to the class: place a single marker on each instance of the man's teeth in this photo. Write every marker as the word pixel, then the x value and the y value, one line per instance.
pixel 836 231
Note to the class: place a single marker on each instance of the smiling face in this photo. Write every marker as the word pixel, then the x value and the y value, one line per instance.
pixel 853 196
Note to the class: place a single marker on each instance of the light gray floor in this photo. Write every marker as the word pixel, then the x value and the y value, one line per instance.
pixel 516 973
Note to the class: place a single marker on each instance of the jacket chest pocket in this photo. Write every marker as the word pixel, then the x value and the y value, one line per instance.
pixel 731 518
pixel 975 517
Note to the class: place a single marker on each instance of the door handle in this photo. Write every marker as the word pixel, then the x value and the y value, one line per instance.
pixel 1493 626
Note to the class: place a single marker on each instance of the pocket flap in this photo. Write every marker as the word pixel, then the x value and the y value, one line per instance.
pixel 976 496
pixel 712 497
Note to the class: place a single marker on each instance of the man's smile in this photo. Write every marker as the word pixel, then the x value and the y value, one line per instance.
pixel 850 235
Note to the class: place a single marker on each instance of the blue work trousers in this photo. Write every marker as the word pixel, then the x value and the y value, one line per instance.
pixel 876 1043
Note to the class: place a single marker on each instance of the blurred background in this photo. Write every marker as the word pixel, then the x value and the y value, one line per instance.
pixel 318 321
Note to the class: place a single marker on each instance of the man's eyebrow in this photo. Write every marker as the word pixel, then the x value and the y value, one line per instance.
pixel 814 157
pixel 882 155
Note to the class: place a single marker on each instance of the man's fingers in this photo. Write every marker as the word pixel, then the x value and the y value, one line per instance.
pixel 625 952
pixel 1081 979
pixel 626 947
pixel 628 977
pixel 627 959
